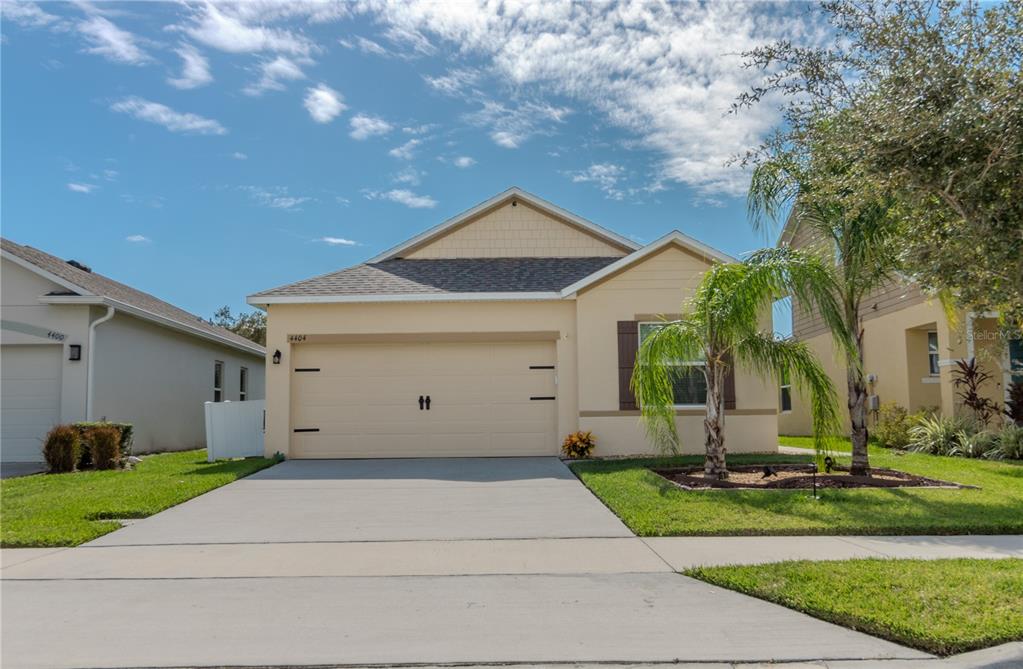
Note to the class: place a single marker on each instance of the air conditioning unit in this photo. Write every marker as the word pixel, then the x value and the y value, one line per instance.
pixel 873 402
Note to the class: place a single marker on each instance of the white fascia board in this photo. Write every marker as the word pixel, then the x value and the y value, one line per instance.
pixel 32 267
pixel 260 300
pixel 96 300
pixel 515 192
pixel 673 237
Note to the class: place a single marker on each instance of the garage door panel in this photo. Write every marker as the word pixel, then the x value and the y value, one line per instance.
pixel 364 400
pixel 30 379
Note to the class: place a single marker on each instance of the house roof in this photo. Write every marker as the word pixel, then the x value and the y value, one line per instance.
pixel 445 276
pixel 80 285
pixel 513 193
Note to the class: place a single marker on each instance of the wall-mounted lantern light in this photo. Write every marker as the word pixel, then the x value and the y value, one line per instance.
pixel 277 357
pixel 74 352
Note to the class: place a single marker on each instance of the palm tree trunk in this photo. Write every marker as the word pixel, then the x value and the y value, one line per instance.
pixel 858 408
pixel 714 423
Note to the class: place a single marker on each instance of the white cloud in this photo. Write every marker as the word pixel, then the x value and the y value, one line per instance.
pixel 27 14
pixel 666 73
pixel 323 103
pixel 273 72
pixel 111 42
pixel 511 126
pixel 111 175
pixel 403 196
pixel 276 198
pixel 77 187
pixel 464 161
pixel 138 239
pixel 605 175
pixel 421 129
pixel 195 69
pixel 455 82
pixel 175 121
pixel 238 155
pixel 365 126
pixel 406 151
pixel 410 176
pixel 224 27
pixel 364 45
pixel 337 241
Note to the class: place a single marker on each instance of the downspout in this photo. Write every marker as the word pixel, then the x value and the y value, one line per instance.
pixel 92 359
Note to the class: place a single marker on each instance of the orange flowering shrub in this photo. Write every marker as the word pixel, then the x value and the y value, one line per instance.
pixel 578 445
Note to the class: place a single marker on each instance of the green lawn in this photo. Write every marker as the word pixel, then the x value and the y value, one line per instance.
pixel 939 606
pixel 651 506
pixel 70 509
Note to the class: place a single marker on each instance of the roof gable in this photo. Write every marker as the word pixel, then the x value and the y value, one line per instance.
pixel 89 287
pixel 512 224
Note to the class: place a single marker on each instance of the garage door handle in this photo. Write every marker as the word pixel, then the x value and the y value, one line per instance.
pixel 427 402
pixel 421 402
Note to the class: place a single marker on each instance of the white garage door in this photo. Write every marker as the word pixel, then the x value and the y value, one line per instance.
pixel 479 399
pixel 29 399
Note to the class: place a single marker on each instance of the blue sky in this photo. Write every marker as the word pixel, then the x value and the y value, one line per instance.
pixel 204 152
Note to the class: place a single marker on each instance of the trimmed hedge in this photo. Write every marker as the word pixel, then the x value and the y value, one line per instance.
pixel 62 448
pixel 85 428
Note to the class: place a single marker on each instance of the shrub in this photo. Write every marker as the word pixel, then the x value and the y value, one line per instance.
pixel 578 445
pixel 975 445
pixel 939 435
pixel 892 429
pixel 1010 444
pixel 968 377
pixel 105 444
pixel 62 448
pixel 125 439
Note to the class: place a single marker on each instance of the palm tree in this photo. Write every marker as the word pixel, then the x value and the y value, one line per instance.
pixel 720 326
pixel 853 229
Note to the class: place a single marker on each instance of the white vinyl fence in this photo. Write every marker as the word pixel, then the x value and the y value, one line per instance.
pixel 234 429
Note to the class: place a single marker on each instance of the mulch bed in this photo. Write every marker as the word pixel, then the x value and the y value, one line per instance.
pixel 795 477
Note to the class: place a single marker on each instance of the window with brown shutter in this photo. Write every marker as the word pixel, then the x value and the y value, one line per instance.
pixel 628 344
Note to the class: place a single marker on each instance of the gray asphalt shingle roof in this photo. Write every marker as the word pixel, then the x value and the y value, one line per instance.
pixel 97 284
pixel 448 275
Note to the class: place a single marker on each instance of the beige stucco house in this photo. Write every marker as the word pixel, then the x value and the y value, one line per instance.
pixel 910 350
pixel 494 333
pixel 77 345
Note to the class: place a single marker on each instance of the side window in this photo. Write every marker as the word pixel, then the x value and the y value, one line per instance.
pixel 786 392
pixel 243 384
pixel 1016 360
pixel 218 381
pixel 932 353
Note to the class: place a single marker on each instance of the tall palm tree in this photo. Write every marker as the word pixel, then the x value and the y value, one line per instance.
pixel 720 326
pixel 853 228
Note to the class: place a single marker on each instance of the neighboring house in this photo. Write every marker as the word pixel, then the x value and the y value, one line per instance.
pixel 910 350
pixel 79 346
pixel 495 333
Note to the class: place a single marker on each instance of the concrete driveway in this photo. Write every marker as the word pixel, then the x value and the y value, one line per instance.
pixel 399 561
pixel 385 500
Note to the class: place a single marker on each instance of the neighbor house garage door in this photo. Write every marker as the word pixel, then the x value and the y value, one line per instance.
pixel 362 400
pixel 29 399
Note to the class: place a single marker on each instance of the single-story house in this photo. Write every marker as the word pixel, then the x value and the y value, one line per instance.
pixel 495 333
pixel 77 345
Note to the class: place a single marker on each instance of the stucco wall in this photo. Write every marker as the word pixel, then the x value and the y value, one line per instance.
pixel 391 318
pixel 515 231
pixel 158 380
pixel 895 350
pixel 659 285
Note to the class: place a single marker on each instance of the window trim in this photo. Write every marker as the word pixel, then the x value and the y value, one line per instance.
pixel 786 384
pixel 680 363
pixel 935 356
pixel 243 383
pixel 218 365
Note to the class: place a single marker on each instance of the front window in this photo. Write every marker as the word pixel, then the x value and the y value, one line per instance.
pixel 218 381
pixel 786 392
pixel 689 384
pixel 932 353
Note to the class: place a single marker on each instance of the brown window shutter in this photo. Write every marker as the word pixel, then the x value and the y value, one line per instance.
pixel 729 384
pixel 628 344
